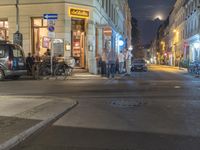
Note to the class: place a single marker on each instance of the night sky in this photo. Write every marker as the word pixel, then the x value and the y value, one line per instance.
pixel 146 11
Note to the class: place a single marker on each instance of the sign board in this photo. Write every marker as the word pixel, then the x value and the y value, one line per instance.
pixel 79 13
pixel 46 42
pixel 50 16
pixel 18 38
pixel 51 28
pixel 51 22
pixel 58 47
pixel 51 35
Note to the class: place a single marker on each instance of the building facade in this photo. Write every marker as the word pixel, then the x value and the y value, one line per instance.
pixel 177 31
pixel 82 30
pixel 192 32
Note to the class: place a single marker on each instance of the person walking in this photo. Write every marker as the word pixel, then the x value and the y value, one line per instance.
pixel 112 58
pixel 128 61
pixel 103 63
pixel 99 61
pixel 121 62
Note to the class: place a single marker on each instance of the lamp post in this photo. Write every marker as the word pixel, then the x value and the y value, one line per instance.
pixel 17 36
pixel 17 15
pixel 176 38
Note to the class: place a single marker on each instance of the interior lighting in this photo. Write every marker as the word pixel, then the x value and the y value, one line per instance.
pixel 196 45
pixel 121 42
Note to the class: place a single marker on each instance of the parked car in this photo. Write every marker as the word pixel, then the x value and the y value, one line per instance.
pixel 12 61
pixel 139 65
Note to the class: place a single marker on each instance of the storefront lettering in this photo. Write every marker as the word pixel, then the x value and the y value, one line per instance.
pixel 79 13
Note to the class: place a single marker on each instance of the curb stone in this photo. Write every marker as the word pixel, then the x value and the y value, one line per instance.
pixel 14 141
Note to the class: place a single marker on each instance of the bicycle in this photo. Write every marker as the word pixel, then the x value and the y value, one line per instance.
pixel 62 70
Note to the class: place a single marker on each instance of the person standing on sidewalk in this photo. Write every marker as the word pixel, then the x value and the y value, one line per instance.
pixel 103 63
pixel 112 58
pixel 121 62
pixel 128 57
pixel 29 64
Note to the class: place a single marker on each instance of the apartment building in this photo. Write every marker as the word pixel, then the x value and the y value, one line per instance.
pixel 84 27
pixel 192 30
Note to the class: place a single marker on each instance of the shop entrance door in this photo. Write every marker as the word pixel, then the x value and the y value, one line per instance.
pixel 78 42
pixel 39 33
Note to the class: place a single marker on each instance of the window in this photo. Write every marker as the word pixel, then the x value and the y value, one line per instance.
pixel 4 30
pixel 39 22
pixel 2 53
pixel 39 32
pixel 17 52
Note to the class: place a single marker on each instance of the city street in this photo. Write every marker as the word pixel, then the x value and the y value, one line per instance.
pixel 154 110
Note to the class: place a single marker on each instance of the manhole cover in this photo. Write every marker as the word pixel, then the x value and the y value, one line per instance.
pixel 127 103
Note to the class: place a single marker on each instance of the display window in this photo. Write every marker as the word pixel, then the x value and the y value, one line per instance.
pixel 40 41
pixel 78 42
pixel 4 30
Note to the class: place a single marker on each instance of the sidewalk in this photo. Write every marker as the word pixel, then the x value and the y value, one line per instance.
pixel 177 68
pixel 20 117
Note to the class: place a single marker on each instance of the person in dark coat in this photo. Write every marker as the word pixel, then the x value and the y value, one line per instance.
pixel 29 63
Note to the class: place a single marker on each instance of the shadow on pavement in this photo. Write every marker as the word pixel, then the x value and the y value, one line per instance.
pixel 74 138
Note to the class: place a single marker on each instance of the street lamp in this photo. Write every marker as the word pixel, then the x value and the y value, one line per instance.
pixel 17 15
pixel 176 39
pixel 17 36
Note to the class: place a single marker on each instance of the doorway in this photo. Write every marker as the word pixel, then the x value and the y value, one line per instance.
pixel 78 42
pixel 39 34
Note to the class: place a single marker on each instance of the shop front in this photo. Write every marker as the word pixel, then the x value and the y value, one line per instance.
pixel 78 41
pixel 195 51
pixel 79 19
pixel 193 48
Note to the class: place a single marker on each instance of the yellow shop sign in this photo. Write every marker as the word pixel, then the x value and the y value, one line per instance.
pixel 79 13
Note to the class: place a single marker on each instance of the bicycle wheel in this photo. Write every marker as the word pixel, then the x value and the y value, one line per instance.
pixel 60 72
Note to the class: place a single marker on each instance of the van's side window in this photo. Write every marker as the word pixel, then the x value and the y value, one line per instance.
pixel 2 53
pixel 17 52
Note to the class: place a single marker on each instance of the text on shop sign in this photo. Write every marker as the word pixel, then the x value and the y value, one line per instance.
pixel 80 13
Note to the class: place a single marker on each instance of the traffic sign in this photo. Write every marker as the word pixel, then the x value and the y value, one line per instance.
pixel 51 35
pixel 51 28
pixel 50 16
pixel 51 22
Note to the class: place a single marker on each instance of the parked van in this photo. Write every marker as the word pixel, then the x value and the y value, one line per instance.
pixel 12 61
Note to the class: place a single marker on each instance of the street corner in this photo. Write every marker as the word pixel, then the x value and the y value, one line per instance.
pixel 30 116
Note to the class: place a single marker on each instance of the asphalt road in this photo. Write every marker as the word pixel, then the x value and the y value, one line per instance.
pixel 156 110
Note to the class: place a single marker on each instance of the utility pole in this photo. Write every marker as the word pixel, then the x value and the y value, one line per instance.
pixel 17 15
pixel 17 36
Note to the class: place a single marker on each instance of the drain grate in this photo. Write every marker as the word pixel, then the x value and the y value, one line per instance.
pixel 127 103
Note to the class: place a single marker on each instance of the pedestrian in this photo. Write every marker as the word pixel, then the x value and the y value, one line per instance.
pixel 128 58
pixel 103 63
pixel 112 58
pixel 121 62
pixel 29 63
pixel 99 61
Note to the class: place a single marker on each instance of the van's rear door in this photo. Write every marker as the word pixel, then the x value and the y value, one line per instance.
pixel 19 62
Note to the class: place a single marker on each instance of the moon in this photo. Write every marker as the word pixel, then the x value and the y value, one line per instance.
pixel 159 16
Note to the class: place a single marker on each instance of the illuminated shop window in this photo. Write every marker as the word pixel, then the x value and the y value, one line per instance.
pixel 4 30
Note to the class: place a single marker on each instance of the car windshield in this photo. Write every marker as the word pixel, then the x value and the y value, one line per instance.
pixel 139 61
